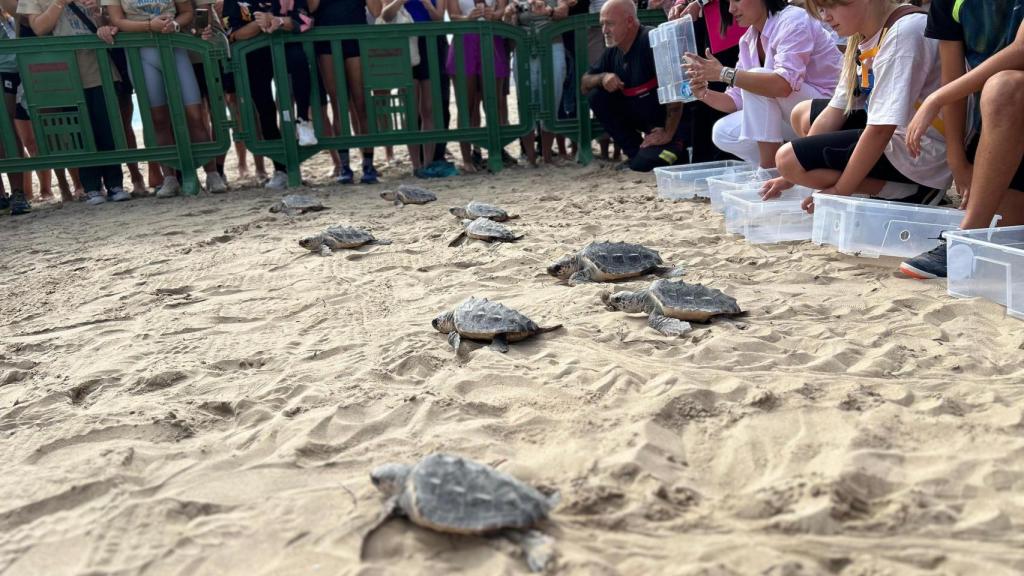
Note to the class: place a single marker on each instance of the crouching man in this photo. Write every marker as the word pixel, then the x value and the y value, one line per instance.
pixel 623 92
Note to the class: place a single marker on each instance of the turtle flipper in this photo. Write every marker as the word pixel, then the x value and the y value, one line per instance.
pixel 668 326
pixel 390 511
pixel 538 548
pixel 454 340
pixel 581 277
pixel 458 240
pixel 380 242
pixel 667 272
pixel 325 250
pixel 499 343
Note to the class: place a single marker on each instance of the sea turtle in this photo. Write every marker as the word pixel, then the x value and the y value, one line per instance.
pixel 337 238
pixel 456 495
pixel 297 204
pixel 476 209
pixel 607 261
pixel 481 319
pixel 486 230
pixel 670 304
pixel 406 194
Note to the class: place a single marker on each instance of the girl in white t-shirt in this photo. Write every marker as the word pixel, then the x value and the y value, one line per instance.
pixel 855 143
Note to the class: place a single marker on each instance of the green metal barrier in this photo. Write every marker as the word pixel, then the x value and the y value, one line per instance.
pixel 581 128
pixel 60 120
pixel 386 67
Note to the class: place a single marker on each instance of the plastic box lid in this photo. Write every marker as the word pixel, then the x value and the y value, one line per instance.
pixel 670 42
pixel 873 228
pixel 987 263
pixel 689 180
pixel 768 221
pixel 736 181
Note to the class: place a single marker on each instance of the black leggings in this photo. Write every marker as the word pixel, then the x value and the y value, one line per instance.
pixel 261 75
pixel 95 177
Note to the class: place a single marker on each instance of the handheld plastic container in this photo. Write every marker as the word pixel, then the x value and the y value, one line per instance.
pixel 768 221
pixel 670 42
pixel 689 180
pixel 737 181
pixel 873 228
pixel 987 263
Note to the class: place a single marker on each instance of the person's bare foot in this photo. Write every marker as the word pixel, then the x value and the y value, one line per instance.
pixel 243 173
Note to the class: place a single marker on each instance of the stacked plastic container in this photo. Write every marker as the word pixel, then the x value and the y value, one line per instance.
pixel 670 42
pixel 689 180
pixel 988 263
pixel 768 221
pixel 873 228
pixel 735 182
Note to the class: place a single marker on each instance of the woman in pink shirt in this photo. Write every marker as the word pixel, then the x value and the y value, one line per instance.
pixel 786 57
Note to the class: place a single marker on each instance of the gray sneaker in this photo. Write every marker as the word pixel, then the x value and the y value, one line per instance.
pixel 279 181
pixel 215 183
pixel 170 188
pixel 119 195
pixel 95 198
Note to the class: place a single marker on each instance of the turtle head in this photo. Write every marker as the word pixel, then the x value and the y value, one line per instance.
pixel 388 195
pixel 458 212
pixel 390 478
pixel 565 267
pixel 445 323
pixel 624 301
pixel 312 243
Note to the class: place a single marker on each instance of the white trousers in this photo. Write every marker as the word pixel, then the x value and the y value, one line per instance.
pixel 762 119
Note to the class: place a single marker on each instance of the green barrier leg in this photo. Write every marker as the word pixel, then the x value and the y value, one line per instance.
pixel 584 136
pixel 285 111
pixel 491 115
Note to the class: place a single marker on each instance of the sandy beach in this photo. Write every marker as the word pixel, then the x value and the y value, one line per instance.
pixel 185 390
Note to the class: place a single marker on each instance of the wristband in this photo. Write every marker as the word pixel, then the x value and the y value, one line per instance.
pixel 177 27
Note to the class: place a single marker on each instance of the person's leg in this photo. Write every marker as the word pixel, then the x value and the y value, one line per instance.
pixel 473 90
pixel 558 68
pixel 124 98
pixel 357 104
pixel 1000 150
pixel 426 110
pixel 195 117
pixel 16 180
pixel 818 161
pixel 260 80
pixel 726 136
pixel 298 70
pixel 800 118
pixel 766 121
pixel 28 140
pixel 109 175
pixel 608 109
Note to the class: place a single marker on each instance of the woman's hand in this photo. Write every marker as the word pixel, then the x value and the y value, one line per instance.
pixel 962 174
pixel 475 13
pixel 107 33
pixel 919 124
pixel 701 70
pixel 774 188
pixel 161 23
pixel 691 9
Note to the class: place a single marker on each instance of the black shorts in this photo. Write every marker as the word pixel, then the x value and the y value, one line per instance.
pixel 20 113
pixel 833 151
pixel 120 62
pixel 349 48
pixel 1016 183
pixel 421 71
pixel 10 82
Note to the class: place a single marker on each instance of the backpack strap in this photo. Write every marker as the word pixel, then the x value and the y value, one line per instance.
pixel 899 12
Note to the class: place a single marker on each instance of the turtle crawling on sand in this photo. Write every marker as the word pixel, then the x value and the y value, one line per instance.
pixel 475 210
pixel 486 230
pixel 481 319
pixel 293 204
pixel 609 261
pixel 338 238
pixel 670 304
pixel 406 194
pixel 456 495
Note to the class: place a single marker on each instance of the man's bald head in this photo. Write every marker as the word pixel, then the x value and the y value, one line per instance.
pixel 619 23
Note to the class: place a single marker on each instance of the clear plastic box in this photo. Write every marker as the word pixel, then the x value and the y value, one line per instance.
pixel 988 263
pixel 873 228
pixel 689 180
pixel 670 42
pixel 768 221
pixel 737 181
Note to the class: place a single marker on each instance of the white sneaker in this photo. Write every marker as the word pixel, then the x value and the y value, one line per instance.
pixel 304 130
pixel 119 195
pixel 170 188
pixel 95 197
pixel 279 181
pixel 215 183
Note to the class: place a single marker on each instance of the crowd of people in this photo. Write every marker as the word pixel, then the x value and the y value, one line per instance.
pixel 872 97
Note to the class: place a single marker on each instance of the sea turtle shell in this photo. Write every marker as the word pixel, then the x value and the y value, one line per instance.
pixel 414 195
pixel 297 204
pixel 481 319
pixel 616 260
pixel 691 302
pixel 349 237
pixel 476 209
pixel 489 230
pixel 453 494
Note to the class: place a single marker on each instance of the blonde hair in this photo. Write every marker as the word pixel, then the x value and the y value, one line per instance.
pixel 849 73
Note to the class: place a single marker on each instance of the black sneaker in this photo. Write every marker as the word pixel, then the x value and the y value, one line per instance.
pixel 19 205
pixel 4 202
pixel 931 264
